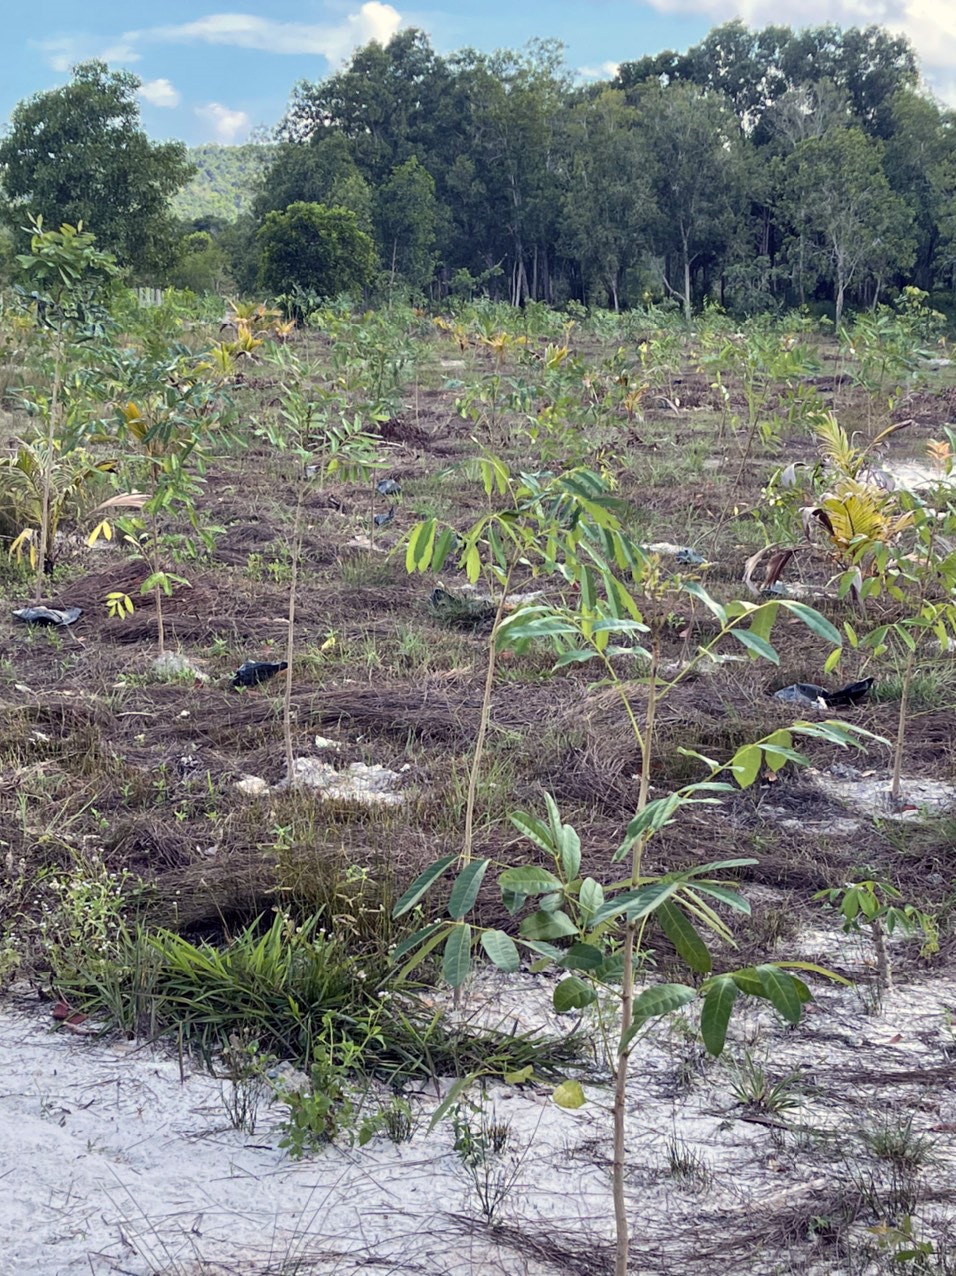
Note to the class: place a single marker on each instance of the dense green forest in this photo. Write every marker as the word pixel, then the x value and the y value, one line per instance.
pixel 225 181
pixel 761 169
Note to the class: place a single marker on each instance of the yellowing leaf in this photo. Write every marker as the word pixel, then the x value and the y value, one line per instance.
pixel 104 529
pixel 569 1095
pixel 745 764
pixel 521 1077
pixel 20 544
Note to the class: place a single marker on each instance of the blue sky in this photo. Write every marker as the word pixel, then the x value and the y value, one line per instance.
pixel 211 73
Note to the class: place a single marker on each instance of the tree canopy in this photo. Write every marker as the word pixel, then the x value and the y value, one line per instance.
pixel 78 154
pixel 686 175
pixel 761 167
pixel 313 247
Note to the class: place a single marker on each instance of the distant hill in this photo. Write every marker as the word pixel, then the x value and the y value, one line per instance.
pixel 226 180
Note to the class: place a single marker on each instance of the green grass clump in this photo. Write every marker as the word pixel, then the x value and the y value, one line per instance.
pixel 283 985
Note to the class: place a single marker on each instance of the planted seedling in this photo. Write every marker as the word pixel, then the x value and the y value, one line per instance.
pixel 876 907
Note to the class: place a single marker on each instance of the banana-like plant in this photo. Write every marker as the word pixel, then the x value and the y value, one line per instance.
pixel 860 511
pixel 68 481
pixel 857 512
pixel 855 518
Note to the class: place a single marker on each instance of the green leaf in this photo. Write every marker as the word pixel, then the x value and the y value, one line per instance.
pixel 456 961
pixel 528 880
pixel 548 952
pixel 777 749
pixel 725 894
pixel 576 656
pixel 569 1094
pixel 421 885
pixel 745 764
pixel 527 624
pixel 466 888
pixel 697 590
pixel 472 564
pixel 683 935
pixel 748 981
pixel 814 969
pixel 570 852
pixel 719 997
pixel 513 901
pixel 427 946
pixel 582 957
pixel 520 1077
pixel 588 589
pixel 832 661
pixel 502 950
pixel 636 903
pixel 816 623
pixel 451 1098
pixel 534 830
pixel 412 941
pixel 655 815
pixel 662 999
pixel 590 898
pixel 780 991
pixel 494 544
pixel 446 542
pixel 573 994
pixel 542 925
pixel 421 540
pixel 756 645
pixel 158 580
pixel 763 619
pixel 905 637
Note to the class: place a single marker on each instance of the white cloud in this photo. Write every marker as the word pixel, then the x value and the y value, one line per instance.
pixel 66 51
pixel 374 20
pixel 226 124
pixel 160 93
pixel 929 24
pixel 605 71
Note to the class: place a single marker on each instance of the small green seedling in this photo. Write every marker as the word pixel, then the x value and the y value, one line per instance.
pixel 870 903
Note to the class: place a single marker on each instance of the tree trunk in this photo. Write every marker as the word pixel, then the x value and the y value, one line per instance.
pixel 884 971
pixel 840 292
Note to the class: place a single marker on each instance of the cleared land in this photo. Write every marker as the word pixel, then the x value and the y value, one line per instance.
pixel 102 761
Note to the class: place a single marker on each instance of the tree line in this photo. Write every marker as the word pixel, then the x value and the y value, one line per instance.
pixel 760 168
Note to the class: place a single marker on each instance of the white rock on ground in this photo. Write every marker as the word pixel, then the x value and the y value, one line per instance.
pixel 373 785
pixel 173 664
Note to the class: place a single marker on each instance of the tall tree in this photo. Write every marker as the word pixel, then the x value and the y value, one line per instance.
pixel 388 102
pixel 921 144
pixel 605 208
pixel 320 171
pixel 695 160
pixel 319 248
pixel 406 222
pixel 516 102
pixel 834 187
pixel 78 154
pixel 755 69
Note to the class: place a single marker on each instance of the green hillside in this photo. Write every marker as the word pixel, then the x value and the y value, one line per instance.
pixel 225 182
